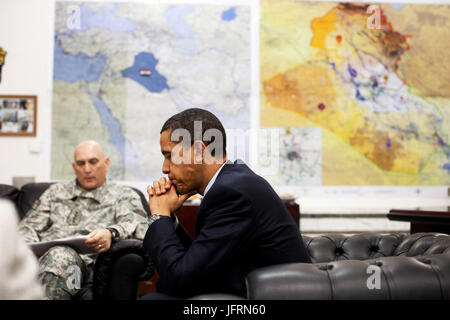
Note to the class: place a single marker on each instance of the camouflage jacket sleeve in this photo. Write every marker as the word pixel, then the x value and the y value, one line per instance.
pixel 37 220
pixel 130 217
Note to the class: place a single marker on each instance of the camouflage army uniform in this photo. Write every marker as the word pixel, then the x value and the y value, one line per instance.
pixel 65 210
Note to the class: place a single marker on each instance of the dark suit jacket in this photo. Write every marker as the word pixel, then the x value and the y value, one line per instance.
pixel 241 225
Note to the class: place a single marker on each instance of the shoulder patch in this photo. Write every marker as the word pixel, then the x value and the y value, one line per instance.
pixel 36 204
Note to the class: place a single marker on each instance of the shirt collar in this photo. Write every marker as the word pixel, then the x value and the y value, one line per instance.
pixel 213 179
pixel 96 194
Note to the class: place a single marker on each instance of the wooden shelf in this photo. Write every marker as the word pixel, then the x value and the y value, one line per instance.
pixel 423 221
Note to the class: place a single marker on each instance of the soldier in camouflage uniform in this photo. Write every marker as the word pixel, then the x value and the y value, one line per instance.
pixel 90 206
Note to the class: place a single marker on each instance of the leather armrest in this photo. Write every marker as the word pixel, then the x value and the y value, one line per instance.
pixel 104 262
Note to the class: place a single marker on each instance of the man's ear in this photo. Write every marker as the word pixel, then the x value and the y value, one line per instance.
pixel 199 147
pixel 107 162
pixel 74 167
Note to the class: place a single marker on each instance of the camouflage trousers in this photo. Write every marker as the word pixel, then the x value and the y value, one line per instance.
pixel 63 273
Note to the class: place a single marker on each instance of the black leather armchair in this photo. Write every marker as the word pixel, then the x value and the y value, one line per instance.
pixel 365 266
pixel 107 282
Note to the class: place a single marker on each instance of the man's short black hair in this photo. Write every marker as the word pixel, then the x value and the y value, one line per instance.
pixel 186 120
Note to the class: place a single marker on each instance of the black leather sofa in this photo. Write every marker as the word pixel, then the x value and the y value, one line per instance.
pixel 373 266
pixel 106 268
pixel 365 266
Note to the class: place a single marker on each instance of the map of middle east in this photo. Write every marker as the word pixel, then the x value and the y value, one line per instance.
pixel 122 68
pixel 375 81
pixel 358 94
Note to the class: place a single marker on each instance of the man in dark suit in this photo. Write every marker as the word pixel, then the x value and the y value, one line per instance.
pixel 241 225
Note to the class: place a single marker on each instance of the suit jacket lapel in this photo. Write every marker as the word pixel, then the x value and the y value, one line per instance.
pixel 202 209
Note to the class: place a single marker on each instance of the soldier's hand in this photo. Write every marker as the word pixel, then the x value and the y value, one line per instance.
pixel 99 240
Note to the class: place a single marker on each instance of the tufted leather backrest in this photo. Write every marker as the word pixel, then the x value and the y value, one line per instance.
pixel 374 245
pixel 415 266
pixel 419 244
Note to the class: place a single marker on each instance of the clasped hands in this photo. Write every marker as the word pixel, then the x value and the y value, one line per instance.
pixel 163 197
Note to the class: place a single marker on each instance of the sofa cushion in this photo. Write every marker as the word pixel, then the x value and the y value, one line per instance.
pixel 441 266
pixel 410 278
pixel 292 281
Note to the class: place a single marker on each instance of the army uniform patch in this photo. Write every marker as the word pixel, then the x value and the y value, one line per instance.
pixel 74 217
pixel 36 204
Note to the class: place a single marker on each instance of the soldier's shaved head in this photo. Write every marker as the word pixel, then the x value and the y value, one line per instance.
pixel 91 145
pixel 90 165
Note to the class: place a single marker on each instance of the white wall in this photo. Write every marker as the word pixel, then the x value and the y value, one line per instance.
pixel 25 33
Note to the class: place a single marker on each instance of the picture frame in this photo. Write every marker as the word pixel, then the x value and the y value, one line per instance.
pixel 18 115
